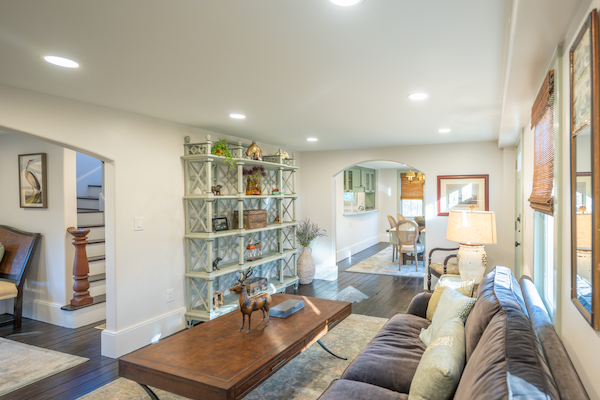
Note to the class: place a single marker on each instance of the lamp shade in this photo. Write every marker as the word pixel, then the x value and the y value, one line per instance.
pixel 472 227
pixel 584 230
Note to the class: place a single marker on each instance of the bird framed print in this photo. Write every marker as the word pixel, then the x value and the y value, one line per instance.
pixel 32 181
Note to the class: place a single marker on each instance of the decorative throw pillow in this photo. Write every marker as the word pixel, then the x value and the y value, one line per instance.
pixel 464 287
pixel 441 365
pixel 452 304
pixel 1 252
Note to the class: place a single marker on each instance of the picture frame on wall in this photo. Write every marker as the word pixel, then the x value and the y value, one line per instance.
pixel 460 192
pixel 33 186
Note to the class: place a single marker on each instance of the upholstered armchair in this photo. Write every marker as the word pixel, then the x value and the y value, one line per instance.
pixel 408 240
pixel 439 269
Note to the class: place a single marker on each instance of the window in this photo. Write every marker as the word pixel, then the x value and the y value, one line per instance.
pixel 412 208
pixel 544 274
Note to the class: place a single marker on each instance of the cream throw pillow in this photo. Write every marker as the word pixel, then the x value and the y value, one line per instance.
pixel 452 304
pixel 464 287
pixel 442 364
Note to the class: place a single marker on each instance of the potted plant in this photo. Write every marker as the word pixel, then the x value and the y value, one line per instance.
pixel 254 175
pixel 306 233
pixel 219 148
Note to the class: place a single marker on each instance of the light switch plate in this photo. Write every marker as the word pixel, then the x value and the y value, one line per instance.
pixel 138 224
pixel 170 295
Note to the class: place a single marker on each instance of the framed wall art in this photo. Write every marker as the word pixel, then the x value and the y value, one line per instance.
pixel 460 192
pixel 33 192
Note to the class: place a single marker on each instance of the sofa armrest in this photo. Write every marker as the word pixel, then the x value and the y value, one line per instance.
pixel 418 305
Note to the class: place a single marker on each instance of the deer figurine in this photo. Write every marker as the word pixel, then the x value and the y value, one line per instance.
pixel 249 304
pixel 254 152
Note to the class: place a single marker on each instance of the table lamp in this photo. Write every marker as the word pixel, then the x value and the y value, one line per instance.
pixel 472 229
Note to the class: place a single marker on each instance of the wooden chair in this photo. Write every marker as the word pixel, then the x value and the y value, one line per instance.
pixel 400 217
pixel 19 247
pixel 408 240
pixel 439 269
pixel 393 238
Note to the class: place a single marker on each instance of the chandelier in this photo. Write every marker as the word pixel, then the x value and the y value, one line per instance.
pixel 418 177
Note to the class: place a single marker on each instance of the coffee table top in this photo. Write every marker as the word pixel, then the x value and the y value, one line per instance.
pixel 215 353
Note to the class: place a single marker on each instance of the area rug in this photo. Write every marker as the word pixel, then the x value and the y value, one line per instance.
pixel 303 378
pixel 381 264
pixel 22 364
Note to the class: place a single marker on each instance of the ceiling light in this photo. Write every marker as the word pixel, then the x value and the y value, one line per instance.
pixel 345 3
pixel 444 130
pixel 237 116
pixel 61 62
pixel 312 139
pixel 418 96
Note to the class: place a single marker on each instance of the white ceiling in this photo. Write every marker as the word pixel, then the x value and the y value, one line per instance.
pixel 296 68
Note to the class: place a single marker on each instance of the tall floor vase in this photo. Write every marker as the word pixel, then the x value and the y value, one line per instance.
pixel 306 266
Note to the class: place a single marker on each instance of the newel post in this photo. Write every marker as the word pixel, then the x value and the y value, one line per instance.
pixel 81 268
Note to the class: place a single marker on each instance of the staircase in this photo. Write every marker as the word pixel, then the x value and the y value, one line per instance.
pixel 90 217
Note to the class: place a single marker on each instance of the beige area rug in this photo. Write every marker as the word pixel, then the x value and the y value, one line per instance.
pixel 303 378
pixel 22 364
pixel 381 264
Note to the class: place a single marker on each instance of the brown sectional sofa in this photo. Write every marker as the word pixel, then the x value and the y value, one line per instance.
pixel 512 350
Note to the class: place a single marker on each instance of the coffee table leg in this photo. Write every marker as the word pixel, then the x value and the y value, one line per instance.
pixel 327 350
pixel 152 395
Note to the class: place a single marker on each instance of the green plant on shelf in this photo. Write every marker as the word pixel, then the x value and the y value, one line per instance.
pixel 219 148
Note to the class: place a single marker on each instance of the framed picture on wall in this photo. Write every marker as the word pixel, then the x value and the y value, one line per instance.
pixel 582 69
pixel 33 192
pixel 460 192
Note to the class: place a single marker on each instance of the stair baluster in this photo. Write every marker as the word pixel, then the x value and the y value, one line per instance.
pixel 81 268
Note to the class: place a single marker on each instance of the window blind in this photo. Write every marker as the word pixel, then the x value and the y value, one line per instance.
pixel 542 117
pixel 410 191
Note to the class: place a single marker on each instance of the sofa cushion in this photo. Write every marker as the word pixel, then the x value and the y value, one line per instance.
pixel 507 363
pixel 391 358
pixel 441 365
pixel 498 290
pixel 343 389
pixel 452 304
pixel 464 287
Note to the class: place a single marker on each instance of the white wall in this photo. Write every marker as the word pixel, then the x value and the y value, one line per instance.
pixel 320 167
pixel 143 178
pixel 89 172
pixel 49 281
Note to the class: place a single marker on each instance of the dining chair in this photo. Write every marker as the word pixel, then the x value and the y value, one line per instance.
pixel 408 240
pixel 400 217
pixel 393 237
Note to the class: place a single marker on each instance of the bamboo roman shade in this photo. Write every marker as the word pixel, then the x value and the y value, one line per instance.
pixel 542 117
pixel 410 191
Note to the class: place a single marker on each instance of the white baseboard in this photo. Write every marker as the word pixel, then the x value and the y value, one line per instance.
pixel 84 316
pixel 43 311
pixel 117 344
pixel 346 252
pixel 51 313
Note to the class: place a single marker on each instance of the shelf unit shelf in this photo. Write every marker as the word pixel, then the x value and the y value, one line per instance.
pixel 278 262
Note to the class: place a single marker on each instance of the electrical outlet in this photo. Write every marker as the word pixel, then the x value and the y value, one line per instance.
pixel 138 224
pixel 170 295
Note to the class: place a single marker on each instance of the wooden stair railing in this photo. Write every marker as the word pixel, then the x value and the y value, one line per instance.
pixel 81 268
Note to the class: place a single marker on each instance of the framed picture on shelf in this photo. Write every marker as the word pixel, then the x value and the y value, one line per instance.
pixel 460 192
pixel 220 224
pixel 33 192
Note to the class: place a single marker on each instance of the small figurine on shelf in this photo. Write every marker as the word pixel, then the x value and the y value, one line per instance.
pixel 254 152
pixel 217 190
pixel 252 250
pixel 275 192
pixel 216 262
pixel 249 304
pixel 217 300
pixel 277 219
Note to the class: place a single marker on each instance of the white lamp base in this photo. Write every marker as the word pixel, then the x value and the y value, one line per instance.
pixel 472 261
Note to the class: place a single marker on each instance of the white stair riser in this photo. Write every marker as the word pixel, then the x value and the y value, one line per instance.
pixel 98 267
pixel 95 233
pixel 95 249
pixel 97 288
pixel 88 203
pixel 94 191
pixel 94 218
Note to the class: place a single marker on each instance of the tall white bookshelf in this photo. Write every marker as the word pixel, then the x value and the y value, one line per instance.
pixel 278 264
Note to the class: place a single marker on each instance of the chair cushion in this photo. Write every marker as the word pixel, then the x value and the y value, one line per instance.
pixel 498 290
pixel 508 363
pixel 450 268
pixel 410 248
pixel 391 358
pixel 442 364
pixel 352 390
pixel 8 290
pixel 452 304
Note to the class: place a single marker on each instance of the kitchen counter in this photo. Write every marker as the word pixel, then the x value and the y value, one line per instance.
pixel 348 213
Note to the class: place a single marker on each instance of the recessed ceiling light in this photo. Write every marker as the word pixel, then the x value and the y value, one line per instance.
pixel 418 96
pixel 61 61
pixel 444 130
pixel 312 139
pixel 237 116
pixel 345 3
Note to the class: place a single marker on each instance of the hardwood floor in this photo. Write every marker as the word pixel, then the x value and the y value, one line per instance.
pixel 388 295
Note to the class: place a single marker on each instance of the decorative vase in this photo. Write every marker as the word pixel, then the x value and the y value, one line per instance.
pixel 306 266
pixel 253 187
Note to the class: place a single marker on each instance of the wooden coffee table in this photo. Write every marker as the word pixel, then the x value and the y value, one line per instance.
pixel 214 361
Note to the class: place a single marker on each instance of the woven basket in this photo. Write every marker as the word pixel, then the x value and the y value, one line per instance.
pixel 253 219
